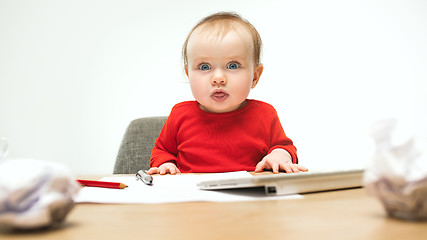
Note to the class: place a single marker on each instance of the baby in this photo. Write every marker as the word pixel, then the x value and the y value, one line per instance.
pixel 223 131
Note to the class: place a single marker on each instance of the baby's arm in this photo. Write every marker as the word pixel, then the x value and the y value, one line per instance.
pixel 279 159
pixel 167 167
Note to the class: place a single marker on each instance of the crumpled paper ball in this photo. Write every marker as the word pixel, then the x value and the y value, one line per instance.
pixel 397 173
pixel 34 194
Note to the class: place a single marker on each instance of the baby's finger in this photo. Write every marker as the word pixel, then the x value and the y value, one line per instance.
pixel 172 170
pixel 260 166
pixel 294 168
pixel 302 168
pixel 163 170
pixel 275 167
pixel 286 167
pixel 153 170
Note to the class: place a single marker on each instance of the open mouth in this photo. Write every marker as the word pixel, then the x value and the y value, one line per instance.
pixel 219 95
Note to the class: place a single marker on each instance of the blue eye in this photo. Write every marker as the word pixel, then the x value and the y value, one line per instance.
pixel 233 66
pixel 204 67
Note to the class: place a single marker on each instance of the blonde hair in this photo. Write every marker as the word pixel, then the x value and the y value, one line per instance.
pixel 224 22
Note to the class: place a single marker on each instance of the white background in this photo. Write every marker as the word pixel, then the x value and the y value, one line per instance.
pixel 73 74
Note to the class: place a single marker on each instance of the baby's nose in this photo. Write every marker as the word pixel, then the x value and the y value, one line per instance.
pixel 219 78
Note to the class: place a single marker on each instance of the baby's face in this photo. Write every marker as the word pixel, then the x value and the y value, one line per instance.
pixel 221 71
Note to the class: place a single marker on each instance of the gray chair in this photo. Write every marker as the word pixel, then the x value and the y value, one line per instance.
pixel 138 141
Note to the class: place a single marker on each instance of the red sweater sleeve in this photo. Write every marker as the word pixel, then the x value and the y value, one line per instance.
pixel 165 147
pixel 280 140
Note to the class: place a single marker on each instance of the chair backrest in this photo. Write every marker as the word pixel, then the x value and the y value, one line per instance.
pixel 138 141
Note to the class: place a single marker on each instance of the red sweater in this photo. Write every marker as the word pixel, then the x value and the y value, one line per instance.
pixel 198 141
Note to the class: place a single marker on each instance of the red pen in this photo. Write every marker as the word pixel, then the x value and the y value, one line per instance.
pixel 91 183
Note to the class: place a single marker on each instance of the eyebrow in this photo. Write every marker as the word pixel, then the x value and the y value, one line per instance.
pixel 199 59
pixel 232 58
pixel 236 57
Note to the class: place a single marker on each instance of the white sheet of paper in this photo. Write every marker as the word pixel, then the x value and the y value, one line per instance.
pixel 172 189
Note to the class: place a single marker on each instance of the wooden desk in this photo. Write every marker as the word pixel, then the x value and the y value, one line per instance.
pixel 346 214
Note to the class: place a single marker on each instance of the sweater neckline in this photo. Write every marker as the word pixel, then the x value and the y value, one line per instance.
pixel 237 111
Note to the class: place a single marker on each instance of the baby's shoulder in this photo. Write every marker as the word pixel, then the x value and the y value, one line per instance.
pixel 184 104
pixel 183 107
pixel 262 106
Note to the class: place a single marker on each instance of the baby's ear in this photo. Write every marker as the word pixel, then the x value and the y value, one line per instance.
pixel 257 74
pixel 186 70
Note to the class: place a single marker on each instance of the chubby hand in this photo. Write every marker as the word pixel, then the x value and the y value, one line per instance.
pixel 164 168
pixel 279 159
